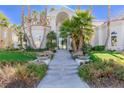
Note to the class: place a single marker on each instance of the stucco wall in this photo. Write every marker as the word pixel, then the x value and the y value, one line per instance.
pixel 101 35
pixel 38 34
pixel 118 27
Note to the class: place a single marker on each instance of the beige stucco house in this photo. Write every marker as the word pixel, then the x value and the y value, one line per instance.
pixel 56 17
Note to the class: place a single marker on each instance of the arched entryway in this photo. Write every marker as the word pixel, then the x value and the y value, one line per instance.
pixel 61 17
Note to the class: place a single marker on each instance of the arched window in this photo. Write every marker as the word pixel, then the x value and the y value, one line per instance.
pixel 113 38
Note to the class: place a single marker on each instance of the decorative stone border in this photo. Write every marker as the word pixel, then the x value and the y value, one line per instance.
pixel 43 59
pixel 82 60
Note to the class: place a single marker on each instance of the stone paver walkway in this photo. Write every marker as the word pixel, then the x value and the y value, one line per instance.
pixel 62 73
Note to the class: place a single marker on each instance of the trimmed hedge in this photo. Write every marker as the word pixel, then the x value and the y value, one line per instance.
pixel 99 48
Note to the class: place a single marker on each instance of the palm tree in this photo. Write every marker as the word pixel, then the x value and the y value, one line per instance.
pixel 91 9
pixel 52 9
pixel 34 15
pixel 79 28
pixel 22 16
pixel 69 27
pixel 22 24
pixel 78 7
pixel 84 21
pixel 44 24
pixel 19 33
pixel 4 23
pixel 23 20
pixel 29 27
pixel 108 25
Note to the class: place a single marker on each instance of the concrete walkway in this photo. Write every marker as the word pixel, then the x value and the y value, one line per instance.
pixel 62 73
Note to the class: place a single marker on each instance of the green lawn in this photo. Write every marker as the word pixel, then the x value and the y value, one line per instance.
pixel 106 56
pixel 17 56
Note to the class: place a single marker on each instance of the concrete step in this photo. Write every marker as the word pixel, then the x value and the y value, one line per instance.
pixel 60 67
pixel 62 72
pixel 63 64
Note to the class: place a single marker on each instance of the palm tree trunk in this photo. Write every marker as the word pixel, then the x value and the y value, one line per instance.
pixel 9 38
pixel 22 17
pixel 78 7
pixel 81 37
pixel 44 35
pixel 1 37
pixel 2 40
pixel 23 28
pixel 91 9
pixel 29 27
pixel 22 23
pixel 80 43
pixel 74 44
pixel 108 26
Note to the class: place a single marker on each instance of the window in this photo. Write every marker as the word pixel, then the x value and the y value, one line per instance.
pixel 113 38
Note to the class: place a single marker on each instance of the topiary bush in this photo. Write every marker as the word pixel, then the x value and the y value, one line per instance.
pixel 51 41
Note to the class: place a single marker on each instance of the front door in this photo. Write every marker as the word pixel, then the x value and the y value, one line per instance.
pixel 62 43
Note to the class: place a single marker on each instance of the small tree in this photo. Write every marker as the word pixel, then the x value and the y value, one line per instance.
pixel 51 41
pixel 4 21
pixel 20 39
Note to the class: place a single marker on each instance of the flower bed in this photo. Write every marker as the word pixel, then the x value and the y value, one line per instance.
pixel 21 75
pixel 106 70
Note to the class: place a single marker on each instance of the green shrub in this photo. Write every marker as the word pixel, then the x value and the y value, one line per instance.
pixel 84 72
pixel 11 63
pixel 38 70
pixel 30 74
pixel 92 71
pixel 98 48
pixel 94 58
pixel 98 70
pixel 119 72
pixel 87 48
pixel 105 66
pixel 35 50
pixel 22 72
pixel 21 75
pixel 28 69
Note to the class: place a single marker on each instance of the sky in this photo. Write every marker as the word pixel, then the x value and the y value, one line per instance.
pixel 13 12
